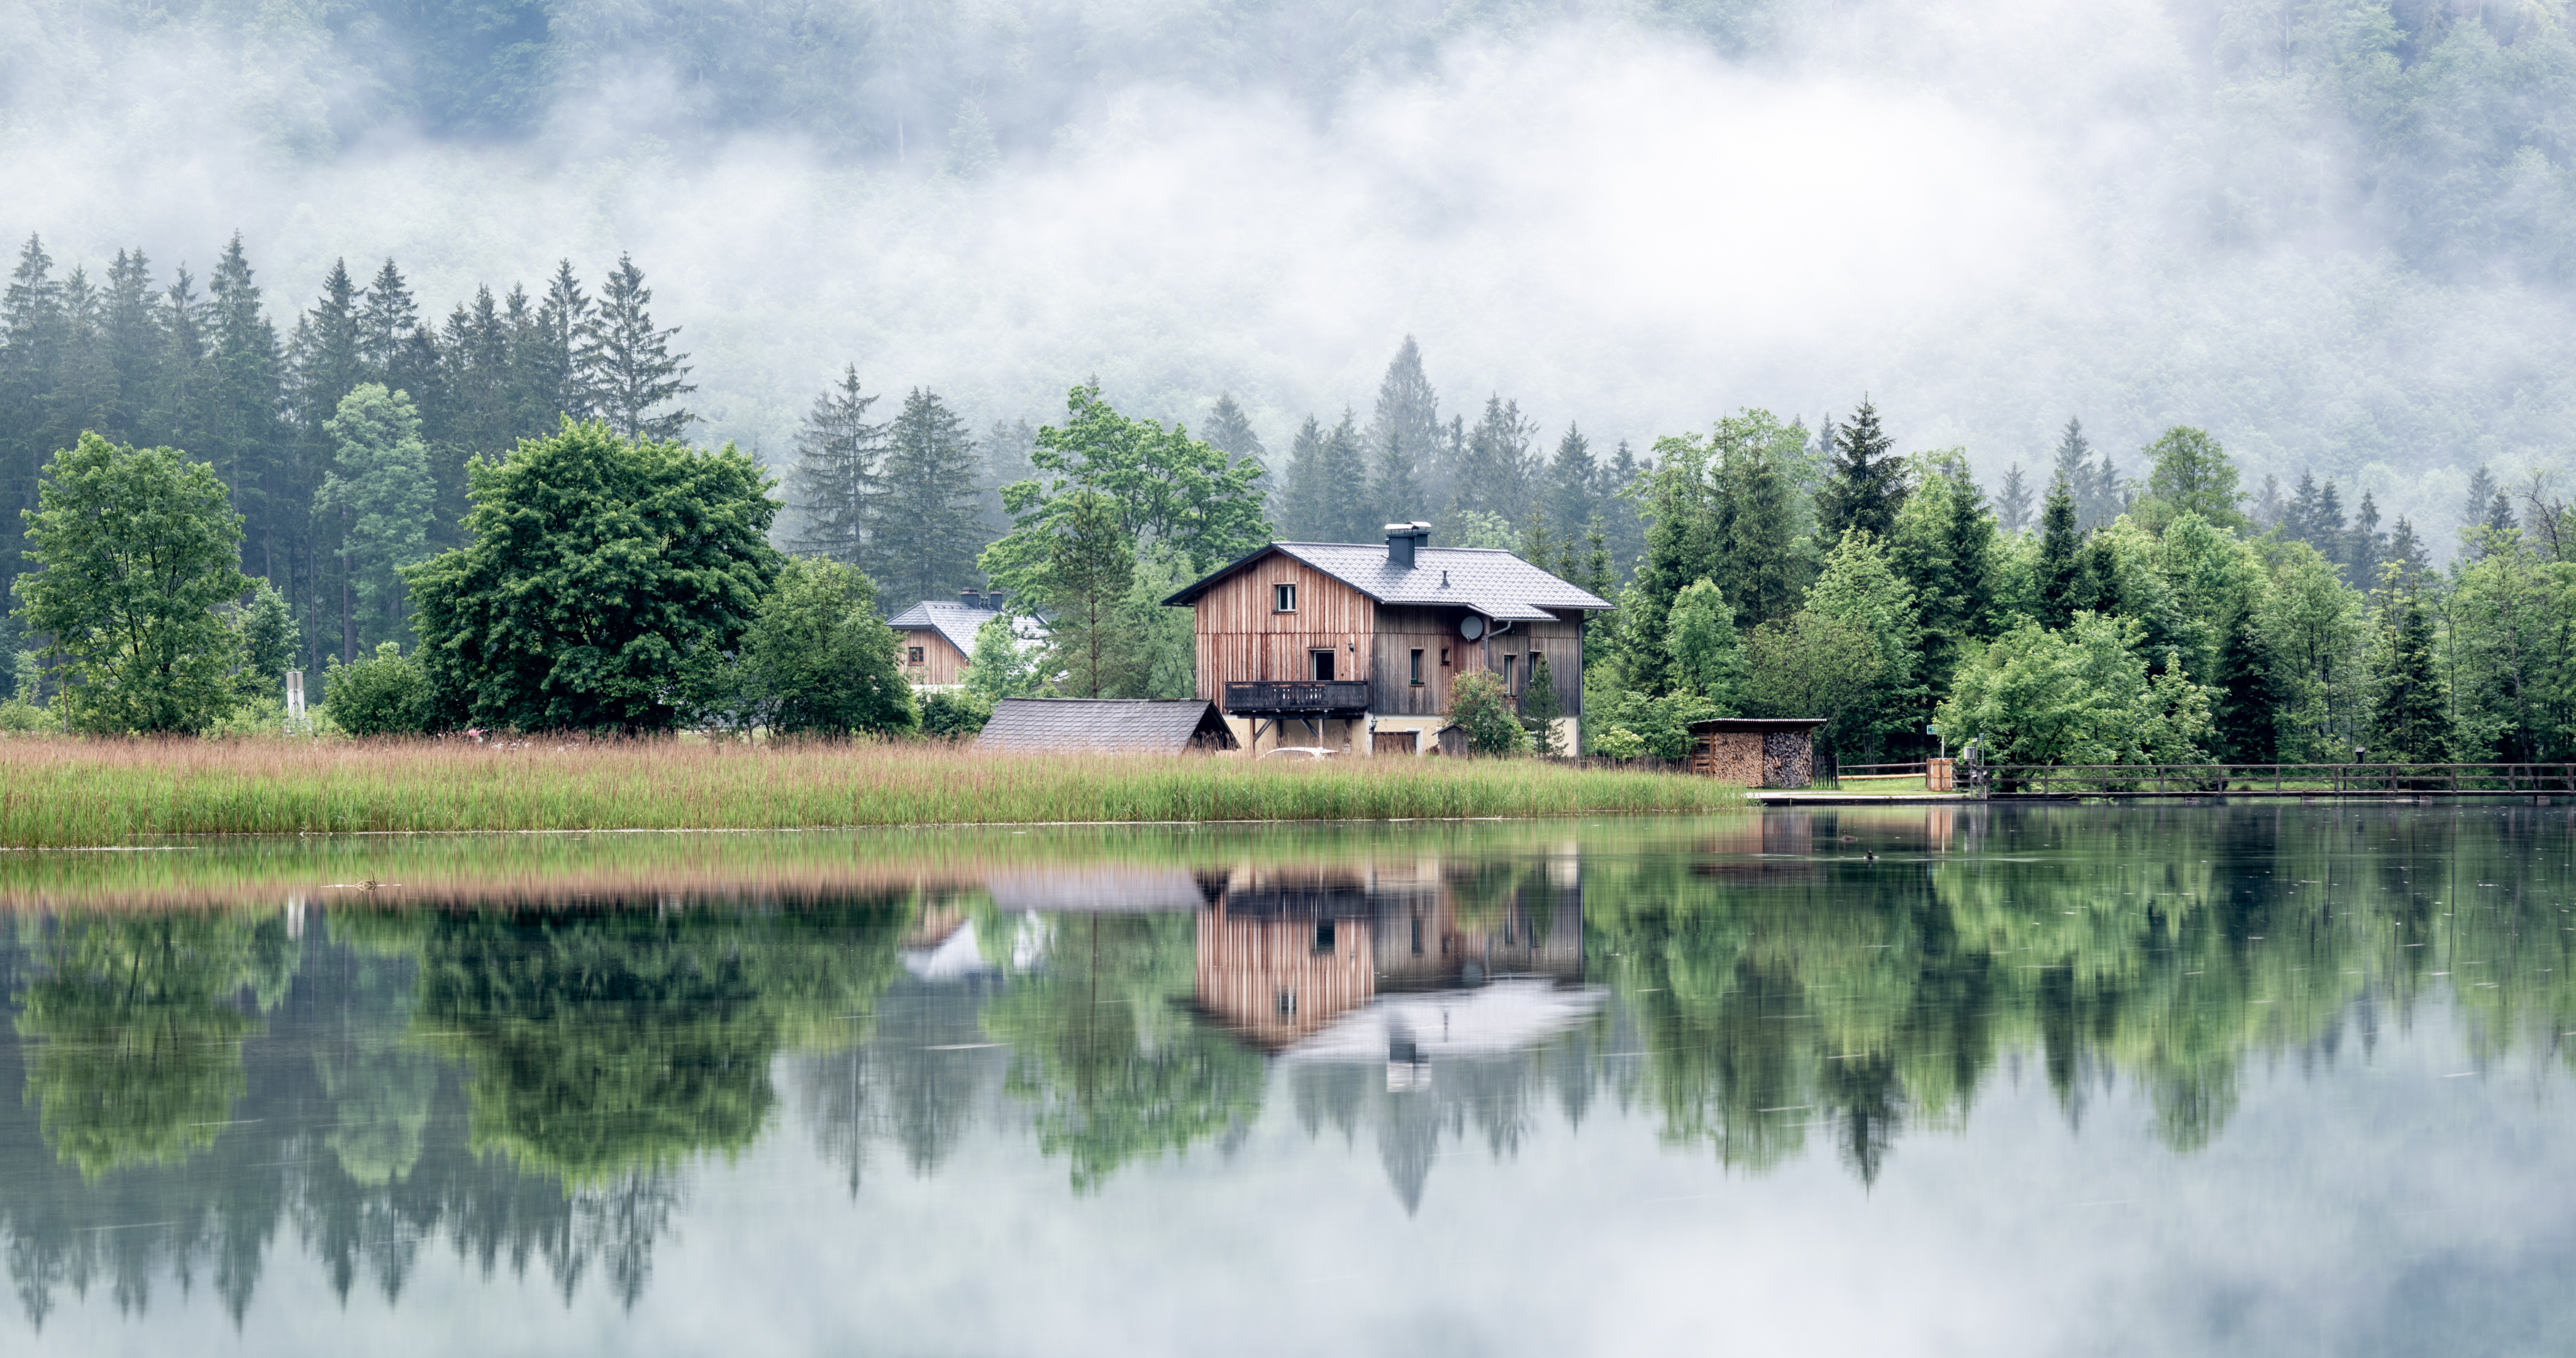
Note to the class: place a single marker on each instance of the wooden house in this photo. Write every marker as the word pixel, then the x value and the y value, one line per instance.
pixel 935 639
pixel 1355 647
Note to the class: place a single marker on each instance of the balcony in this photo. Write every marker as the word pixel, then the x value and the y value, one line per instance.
pixel 1308 698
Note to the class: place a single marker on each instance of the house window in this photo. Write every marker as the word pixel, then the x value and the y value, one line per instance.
pixel 1323 936
pixel 1323 662
pixel 1283 598
pixel 1287 1004
pixel 1417 669
pixel 1511 680
pixel 1533 669
pixel 913 656
pixel 1444 657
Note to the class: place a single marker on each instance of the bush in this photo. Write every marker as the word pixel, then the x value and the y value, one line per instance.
pixel 1619 743
pixel 20 717
pixel 954 716
pixel 1482 708
pixel 384 695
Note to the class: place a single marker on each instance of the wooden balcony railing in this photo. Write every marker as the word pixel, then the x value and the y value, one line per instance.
pixel 1297 698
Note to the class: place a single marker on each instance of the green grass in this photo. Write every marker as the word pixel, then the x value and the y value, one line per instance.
pixel 60 792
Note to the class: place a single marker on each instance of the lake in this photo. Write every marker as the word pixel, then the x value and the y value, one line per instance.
pixel 2270 1079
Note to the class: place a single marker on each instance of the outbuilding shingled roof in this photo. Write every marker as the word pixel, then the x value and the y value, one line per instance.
pixel 1103 726
pixel 1494 583
pixel 954 621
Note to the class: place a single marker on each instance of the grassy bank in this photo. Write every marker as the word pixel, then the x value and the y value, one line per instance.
pixel 63 792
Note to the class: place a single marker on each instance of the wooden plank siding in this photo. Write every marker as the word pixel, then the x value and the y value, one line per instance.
pixel 941 663
pixel 1241 639
pixel 1402 630
pixel 1267 978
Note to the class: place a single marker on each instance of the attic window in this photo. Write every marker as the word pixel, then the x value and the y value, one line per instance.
pixel 1283 598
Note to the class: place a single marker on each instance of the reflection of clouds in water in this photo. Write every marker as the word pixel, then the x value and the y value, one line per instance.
pixel 955 958
pixel 1504 1016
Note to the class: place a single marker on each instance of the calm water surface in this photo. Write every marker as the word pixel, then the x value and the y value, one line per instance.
pixel 2261 1080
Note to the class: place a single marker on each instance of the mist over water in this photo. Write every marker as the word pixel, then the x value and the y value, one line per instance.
pixel 1987 218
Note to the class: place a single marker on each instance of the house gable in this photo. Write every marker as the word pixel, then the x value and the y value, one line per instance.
pixel 1243 636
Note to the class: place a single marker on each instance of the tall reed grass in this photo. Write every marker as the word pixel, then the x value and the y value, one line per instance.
pixel 61 792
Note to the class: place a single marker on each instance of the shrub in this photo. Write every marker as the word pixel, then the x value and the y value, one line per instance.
pixel 1619 743
pixel 1482 708
pixel 954 716
pixel 386 694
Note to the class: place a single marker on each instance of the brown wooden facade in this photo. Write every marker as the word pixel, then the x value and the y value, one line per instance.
pixel 1243 636
pixel 939 663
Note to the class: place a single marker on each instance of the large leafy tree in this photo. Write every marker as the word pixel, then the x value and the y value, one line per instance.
pixel 2078 696
pixel 378 493
pixel 2188 473
pixel 606 581
pixel 136 550
pixel 1171 495
pixel 819 660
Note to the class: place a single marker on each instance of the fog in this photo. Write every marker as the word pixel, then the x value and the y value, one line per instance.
pixel 1986 217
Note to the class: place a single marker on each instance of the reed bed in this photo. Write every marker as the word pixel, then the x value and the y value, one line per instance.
pixel 60 792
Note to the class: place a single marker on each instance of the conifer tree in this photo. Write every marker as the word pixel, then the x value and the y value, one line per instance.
pixel 1228 428
pixel 1866 486
pixel 1408 415
pixel 1495 474
pixel 1091 566
pixel 329 354
pixel 1627 531
pixel 1573 480
pixel 1397 495
pixel 136 344
pixel 2482 493
pixel 550 371
pixel 2074 466
pixel 1758 561
pixel 837 483
pixel 2329 534
pixel 627 369
pixel 2408 722
pixel 927 539
pixel 2012 504
pixel 1302 492
pixel 2368 546
pixel 2059 546
pixel 1005 450
pixel 1344 505
pixel 386 321
pixel 2300 521
pixel 2268 505
pixel 379 491
pixel 244 438
pixel 2248 705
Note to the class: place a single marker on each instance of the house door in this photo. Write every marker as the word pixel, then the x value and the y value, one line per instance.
pixel 1323 664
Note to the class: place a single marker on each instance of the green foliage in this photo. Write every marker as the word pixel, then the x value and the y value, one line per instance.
pixel 1708 656
pixel 626 366
pixel 2248 730
pixel 1728 509
pixel 1481 707
pixel 1169 494
pixel 1620 743
pixel 956 715
pixel 2059 545
pixel 1861 590
pixel 1659 723
pixel 136 548
pixel 1003 665
pixel 2188 473
pixel 379 492
pixel 818 660
pixel 2408 721
pixel 2509 653
pixel 926 542
pixel 1866 484
pixel 1540 708
pixel 2077 696
pixel 1944 548
pixel 1476 528
pixel 1091 570
pixel 386 694
pixel 268 637
pixel 606 583
pixel 1812 665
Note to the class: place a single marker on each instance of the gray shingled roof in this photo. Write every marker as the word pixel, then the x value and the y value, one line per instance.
pixel 952 620
pixel 1100 725
pixel 1494 583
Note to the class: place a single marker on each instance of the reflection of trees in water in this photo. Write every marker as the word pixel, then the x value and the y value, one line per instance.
pixel 922 1079
pixel 587 1055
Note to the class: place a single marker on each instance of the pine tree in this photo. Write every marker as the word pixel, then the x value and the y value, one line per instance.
pixel 2248 706
pixel 329 356
pixel 246 441
pixel 2406 554
pixel 1396 493
pixel 1573 480
pixel 2299 523
pixel 1230 430
pixel 386 322
pixel 1867 483
pixel 2482 493
pixel 2368 546
pixel 1495 474
pixel 2074 466
pixel 136 345
pixel 837 482
pixel 627 368
pixel 2329 534
pixel 1344 507
pixel 550 375
pixel 1302 493
pixel 31 326
pixel 2268 505
pixel 1408 414
pixel 1758 558
pixel 2012 505
pixel 928 536
pixel 1627 532
pixel 1091 566
pixel 2408 723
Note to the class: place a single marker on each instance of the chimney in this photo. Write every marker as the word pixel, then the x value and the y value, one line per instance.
pixel 994 600
pixel 1402 539
pixel 970 598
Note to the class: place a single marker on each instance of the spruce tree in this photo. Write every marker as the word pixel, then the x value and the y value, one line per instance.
pixel 329 356
pixel 2406 555
pixel 837 483
pixel 929 539
pixel 2299 523
pixel 1494 476
pixel 1091 566
pixel 2268 504
pixel 1573 480
pixel 627 369
pixel 30 347
pixel 1408 414
pixel 1005 450
pixel 136 345
pixel 2368 546
pixel 1627 532
pixel 2408 723
pixel 2331 536
pixel 1397 495
pixel 1866 485
pixel 1344 508
pixel 245 440
pixel 1229 429
pixel 1758 560
pixel 386 321
pixel 2248 706
pixel 1302 493
pixel 2012 504
pixel 2059 547
pixel 2482 493
pixel 2074 466
pixel 550 376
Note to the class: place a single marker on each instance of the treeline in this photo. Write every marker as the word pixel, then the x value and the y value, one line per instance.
pixel 2135 621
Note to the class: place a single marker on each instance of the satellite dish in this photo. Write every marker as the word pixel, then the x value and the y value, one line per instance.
pixel 1471 627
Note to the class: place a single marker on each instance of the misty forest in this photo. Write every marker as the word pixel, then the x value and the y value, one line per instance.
pixel 2148 384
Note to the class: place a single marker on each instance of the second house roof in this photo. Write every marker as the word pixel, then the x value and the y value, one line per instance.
pixel 1494 583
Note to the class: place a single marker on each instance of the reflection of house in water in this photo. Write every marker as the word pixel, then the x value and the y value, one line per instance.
pixel 1338 971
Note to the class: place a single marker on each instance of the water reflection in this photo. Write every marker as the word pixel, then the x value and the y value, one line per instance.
pixel 536 1084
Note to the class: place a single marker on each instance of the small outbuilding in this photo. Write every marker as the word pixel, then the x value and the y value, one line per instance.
pixel 1105 726
pixel 1756 751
